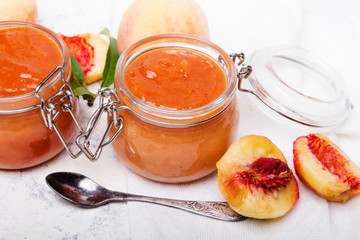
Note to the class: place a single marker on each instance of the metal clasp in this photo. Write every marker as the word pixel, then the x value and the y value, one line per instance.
pixel 49 109
pixel 107 104
pixel 244 71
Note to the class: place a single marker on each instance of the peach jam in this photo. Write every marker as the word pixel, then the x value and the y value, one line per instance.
pixel 28 54
pixel 147 77
pixel 180 111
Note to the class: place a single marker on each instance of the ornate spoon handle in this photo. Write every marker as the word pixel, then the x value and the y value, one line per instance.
pixel 216 210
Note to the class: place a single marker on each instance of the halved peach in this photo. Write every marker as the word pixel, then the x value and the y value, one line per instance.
pixel 254 178
pixel 90 51
pixel 323 166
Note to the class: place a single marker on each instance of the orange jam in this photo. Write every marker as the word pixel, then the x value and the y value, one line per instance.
pixel 22 65
pixel 180 110
pixel 28 54
pixel 174 78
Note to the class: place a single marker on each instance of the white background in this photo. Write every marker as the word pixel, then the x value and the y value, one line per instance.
pixel 330 29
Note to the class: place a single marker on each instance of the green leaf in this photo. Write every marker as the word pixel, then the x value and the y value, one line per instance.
pixel 82 91
pixel 77 82
pixel 105 32
pixel 112 57
pixel 76 69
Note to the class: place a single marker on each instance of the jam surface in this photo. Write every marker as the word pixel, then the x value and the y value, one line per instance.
pixel 175 78
pixel 27 56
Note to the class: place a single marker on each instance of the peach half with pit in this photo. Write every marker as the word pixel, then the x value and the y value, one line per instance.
pixel 324 167
pixel 90 51
pixel 255 180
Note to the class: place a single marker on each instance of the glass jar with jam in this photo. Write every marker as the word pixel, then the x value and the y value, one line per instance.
pixel 34 74
pixel 179 108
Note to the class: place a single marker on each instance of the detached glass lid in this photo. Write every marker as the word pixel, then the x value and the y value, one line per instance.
pixel 298 86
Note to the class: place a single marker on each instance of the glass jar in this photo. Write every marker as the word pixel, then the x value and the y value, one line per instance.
pixel 170 145
pixel 25 140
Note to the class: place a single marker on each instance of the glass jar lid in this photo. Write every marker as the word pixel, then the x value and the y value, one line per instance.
pixel 298 86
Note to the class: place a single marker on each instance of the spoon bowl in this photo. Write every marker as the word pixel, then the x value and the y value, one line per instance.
pixel 78 189
pixel 84 192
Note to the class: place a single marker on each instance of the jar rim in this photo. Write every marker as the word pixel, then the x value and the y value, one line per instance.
pixel 65 59
pixel 188 42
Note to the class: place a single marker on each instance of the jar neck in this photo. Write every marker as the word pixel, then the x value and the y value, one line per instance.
pixel 170 116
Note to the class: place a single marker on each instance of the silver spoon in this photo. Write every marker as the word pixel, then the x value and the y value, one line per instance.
pixel 86 193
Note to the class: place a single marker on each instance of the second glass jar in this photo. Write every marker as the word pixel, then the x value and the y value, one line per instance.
pixel 170 145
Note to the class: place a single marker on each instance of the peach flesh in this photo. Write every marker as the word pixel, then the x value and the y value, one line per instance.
pixel 82 51
pixel 90 51
pixel 332 159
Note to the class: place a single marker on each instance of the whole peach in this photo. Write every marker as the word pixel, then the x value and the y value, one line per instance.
pixel 145 18
pixel 18 10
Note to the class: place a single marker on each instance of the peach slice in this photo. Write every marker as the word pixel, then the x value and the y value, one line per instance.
pixel 90 51
pixel 255 179
pixel 323 166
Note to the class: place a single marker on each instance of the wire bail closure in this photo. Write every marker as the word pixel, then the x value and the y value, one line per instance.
pixel 50 112
pixel 245 70
pixel 106 105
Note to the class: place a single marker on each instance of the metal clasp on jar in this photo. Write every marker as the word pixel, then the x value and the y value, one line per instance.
pixel 50 112
pixel 244 71
pixel 107 105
